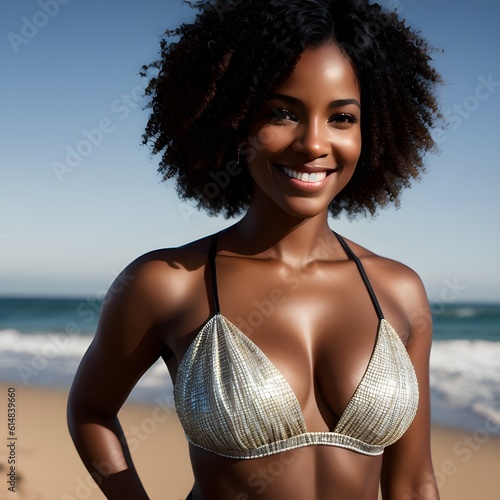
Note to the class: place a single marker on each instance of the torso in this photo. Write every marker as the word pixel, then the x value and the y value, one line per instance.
pixel 318 326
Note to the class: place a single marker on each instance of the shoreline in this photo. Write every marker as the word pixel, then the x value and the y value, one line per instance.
pixel 49 468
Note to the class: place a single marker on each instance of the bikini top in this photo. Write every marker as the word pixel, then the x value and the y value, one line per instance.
pixel 231 400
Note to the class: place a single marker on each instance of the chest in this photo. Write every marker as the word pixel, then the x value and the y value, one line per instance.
pixel 318 328
pixel 275 367
pixel 233 400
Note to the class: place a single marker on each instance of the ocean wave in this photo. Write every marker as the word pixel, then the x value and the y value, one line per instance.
pixel 47 344
pixel 466 312
pixel 461 311
pixel 465 380
pixel 464 374
pixel 51 359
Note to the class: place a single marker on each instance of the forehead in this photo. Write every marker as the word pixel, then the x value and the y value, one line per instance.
pixel 322 72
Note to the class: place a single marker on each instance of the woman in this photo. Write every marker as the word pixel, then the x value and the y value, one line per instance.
pixel 290 348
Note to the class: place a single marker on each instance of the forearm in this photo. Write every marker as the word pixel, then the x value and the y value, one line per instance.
pixel 424 488
pixel 425 492
pixel 103 449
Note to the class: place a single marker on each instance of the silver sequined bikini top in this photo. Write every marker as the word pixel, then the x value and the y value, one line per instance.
pixel 232 401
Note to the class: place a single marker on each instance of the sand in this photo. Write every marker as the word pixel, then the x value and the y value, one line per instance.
pixel 467 464
pixel 50 468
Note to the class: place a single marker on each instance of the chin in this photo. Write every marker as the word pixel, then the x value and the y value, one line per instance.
pixel 304 208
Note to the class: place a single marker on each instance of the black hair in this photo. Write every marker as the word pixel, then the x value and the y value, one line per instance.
pixel 215 74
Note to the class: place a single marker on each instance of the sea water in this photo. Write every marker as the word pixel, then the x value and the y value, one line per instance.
pixel 43 340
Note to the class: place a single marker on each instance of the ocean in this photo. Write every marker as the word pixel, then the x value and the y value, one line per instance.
pixel 43 340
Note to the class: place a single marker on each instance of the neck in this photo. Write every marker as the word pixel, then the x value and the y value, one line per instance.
pixel 280 235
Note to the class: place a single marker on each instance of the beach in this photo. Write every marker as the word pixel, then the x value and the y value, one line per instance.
pixel 42 341
pixel 467 463
pixel 49 467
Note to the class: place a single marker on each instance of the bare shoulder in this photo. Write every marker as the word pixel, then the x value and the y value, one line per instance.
pixel 164 278
pixel 398 287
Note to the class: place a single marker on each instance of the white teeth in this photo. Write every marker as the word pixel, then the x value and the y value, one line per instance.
pixel 304 177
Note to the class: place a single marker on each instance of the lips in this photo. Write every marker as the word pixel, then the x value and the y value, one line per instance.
pixel 308 178
pixel 305 173
pixel 303 176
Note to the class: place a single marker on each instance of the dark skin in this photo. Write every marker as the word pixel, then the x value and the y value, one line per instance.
pixel 320 333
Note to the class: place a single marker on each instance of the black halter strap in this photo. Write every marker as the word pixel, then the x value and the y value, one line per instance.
pixel 352 256
pixel 213 271
pixel 361 270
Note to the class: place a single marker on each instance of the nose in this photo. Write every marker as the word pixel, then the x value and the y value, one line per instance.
pixel 312 140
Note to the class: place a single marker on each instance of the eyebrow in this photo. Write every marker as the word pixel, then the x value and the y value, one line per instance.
pixel 334 104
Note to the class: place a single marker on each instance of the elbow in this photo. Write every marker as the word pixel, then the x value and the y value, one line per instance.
pixel 423 488
pixel 74 414
pixel 426 489
pixel 78 413
pixel 82 416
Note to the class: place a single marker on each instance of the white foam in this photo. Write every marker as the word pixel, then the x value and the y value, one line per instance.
pixel 465 376
pixel 52 359
pixel 52 344
pixel 466 312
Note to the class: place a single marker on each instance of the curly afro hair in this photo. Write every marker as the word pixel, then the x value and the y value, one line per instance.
pixel 216 73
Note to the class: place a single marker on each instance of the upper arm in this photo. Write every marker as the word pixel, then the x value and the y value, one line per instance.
pixel 407 466
pixel 126 343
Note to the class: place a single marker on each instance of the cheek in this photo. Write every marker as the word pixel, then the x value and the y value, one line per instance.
pixel 265 143
pixel 267 137
pixel 269 142
pixel 351 152
pixel 349 147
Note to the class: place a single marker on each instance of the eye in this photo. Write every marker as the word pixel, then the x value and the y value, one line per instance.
pixel 343 120
pixel 282 114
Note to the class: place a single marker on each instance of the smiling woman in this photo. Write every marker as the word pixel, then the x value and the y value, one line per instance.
pixel 234 64
pixel 299 117
pixel 312 125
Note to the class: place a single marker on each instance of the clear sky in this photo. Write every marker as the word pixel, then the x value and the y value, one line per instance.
pixel 70 67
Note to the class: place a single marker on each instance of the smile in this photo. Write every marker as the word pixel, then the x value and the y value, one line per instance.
pixel 308 177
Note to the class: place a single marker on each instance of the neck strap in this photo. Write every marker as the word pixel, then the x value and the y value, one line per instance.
pixel 354 257
pixel 213 271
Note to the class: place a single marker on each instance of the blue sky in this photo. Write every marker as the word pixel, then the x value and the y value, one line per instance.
pixel 70 67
